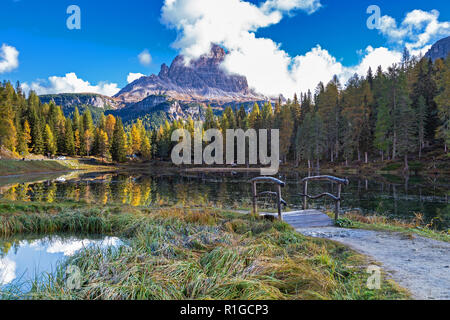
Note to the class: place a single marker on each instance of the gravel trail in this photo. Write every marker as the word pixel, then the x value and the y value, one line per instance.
pixel 418 264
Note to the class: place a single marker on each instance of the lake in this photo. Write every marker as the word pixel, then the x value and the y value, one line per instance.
pixel 24 260
pixel 388 195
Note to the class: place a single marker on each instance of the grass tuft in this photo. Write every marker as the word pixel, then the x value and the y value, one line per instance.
pixel 177 253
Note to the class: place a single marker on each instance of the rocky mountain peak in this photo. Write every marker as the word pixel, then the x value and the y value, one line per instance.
pixel 197 80
pixel 439 50
pixel 164 73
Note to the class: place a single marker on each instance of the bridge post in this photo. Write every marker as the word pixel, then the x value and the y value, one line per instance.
pixel 279 202
pixel 255 198
pixel 338 203
pixel 305 197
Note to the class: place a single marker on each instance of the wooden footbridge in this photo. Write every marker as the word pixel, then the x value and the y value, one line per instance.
pixel 304 218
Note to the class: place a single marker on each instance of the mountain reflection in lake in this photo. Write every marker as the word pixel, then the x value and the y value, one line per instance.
pixel 388 195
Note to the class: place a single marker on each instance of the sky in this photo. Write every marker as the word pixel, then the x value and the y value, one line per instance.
pixel 281 46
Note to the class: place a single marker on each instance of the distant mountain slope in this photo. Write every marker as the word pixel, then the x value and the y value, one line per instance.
pixel 96 103
pixel 202 80
pixel 79 99
pixel 439 50
pixel 156 109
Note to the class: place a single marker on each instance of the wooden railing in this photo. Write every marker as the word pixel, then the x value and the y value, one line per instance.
pixel 280 184
pixel 337 198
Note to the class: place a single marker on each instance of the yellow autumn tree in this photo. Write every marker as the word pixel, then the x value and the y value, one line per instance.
pixel 77 142
pixel 146 148
pixel 88 140
pixel 135 139
pixel 103 144
pixel 110 124
pixel 49 141
pixel 26 138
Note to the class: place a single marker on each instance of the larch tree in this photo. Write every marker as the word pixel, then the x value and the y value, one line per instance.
pixel 49 141
pixel 443 103
pixel 26 137
pixel 69 141
pixel 286 131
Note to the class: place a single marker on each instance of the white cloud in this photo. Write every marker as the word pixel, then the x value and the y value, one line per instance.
pixel 269 69
pixel 373 58
pixel 310 6
pixel 9 58
pixel 7 271
pixel 69 248
pixel 134 76
pixel 417 29
pixel 70 83
pixel 145 58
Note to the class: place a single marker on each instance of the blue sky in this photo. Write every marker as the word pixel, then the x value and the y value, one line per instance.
pixel 114 33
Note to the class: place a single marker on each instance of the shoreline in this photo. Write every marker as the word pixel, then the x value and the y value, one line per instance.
pixel 211 254
pixel 370 169
pixel 20 168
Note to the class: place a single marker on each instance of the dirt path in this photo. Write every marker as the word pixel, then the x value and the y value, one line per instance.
pixel 418 264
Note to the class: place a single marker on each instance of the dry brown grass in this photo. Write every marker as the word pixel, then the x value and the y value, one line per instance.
pixel 417 221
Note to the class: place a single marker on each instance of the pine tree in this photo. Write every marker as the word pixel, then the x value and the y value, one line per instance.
pixel 49 141
pixel 88 140
pixel 356 101
pixel 286 131
pixel 8 133
pixel 87 136
pixel 306 139
pixel 329 110
pixel 76 121
pixel 36 134
pixel 146 148
pixel 69 142
pixel 230 117
pixel 421 118
pixel 210 121
pixel 406 128
pixel 267 116
pixel 443 103
pixel 77 142
pixel 103 146
pixel 118 145
pixel 26 137
pixel 242 119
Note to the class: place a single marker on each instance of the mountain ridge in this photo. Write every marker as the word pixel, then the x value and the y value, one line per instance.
pixel 440 50
pixel 79 99
pixel 201 80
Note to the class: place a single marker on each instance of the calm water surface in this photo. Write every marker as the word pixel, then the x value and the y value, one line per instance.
pixel 387 195
pixel 24 260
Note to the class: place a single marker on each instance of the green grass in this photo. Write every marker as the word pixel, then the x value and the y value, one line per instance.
pixel 191 254
pixel 381 223
pixel 392 167
pixel 17 167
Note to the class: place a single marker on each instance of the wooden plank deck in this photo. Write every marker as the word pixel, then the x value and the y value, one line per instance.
pixel 305 219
